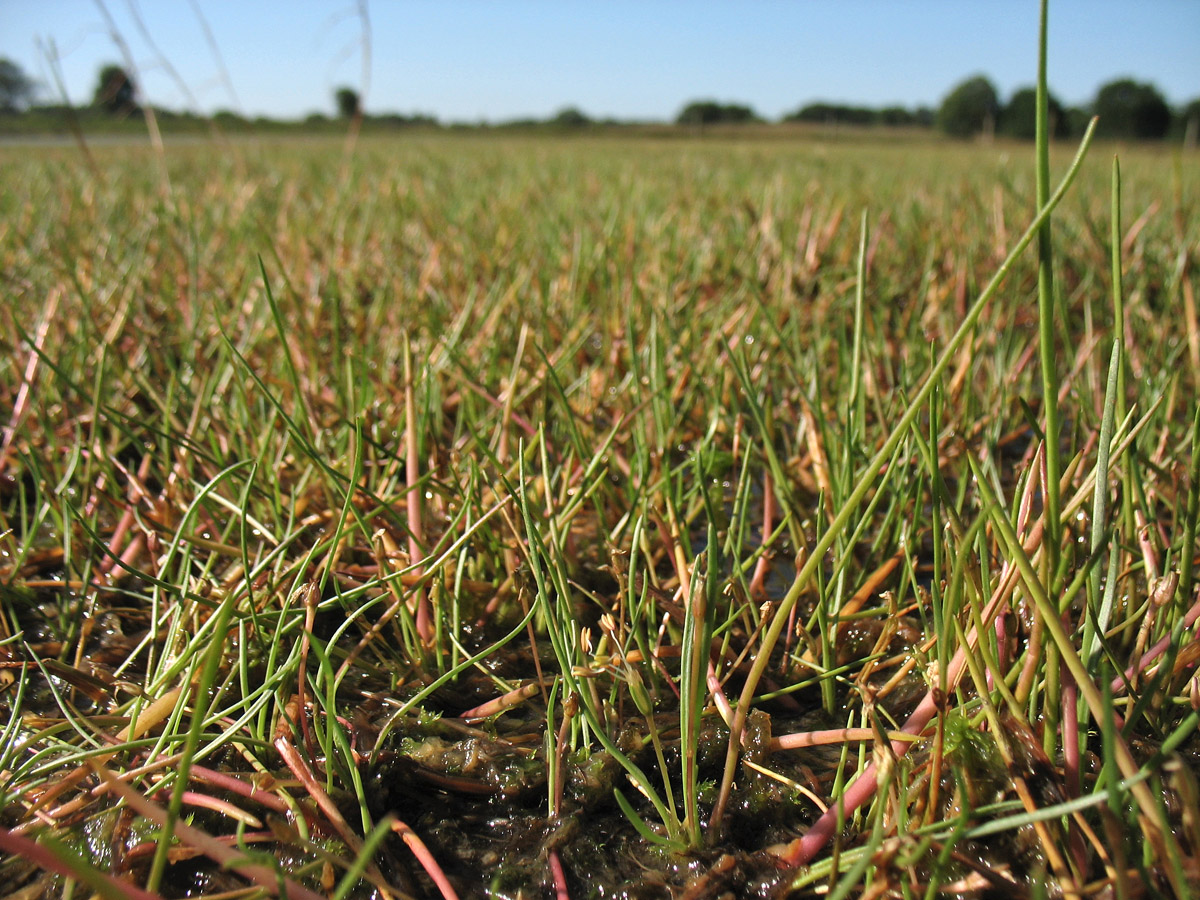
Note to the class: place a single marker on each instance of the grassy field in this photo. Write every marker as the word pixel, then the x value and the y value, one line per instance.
pixel 424 521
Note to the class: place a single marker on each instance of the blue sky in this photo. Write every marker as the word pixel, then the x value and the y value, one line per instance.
pixel 466 60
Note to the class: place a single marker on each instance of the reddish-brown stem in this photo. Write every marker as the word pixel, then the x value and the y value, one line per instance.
pixel 31 367
pixel 1147 658
pixel 295 762
pixel 425 858
pixel 832 736
pixel 266 878
pixel 15 845
pixel 224 807
pixel 123 559
pixel 236 785
pixel 501 703
pixel 560 877
pixel 863 788
pixel 759 580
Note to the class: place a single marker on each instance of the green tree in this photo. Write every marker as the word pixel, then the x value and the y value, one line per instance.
pixel 969 109
pixel 710 112
pixel 115 91
pixel 349 104
pixel 227 118
pixel 1187 123
pixel 834 114
pixel 570 117
pixel 1129 109
pixel 16 88
pixel 1019 117
pixel 1077 119
pixel 897 116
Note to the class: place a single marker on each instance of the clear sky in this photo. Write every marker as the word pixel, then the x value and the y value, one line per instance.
pixel 466 60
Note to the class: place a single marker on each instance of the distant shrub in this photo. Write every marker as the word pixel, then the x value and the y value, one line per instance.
pixel 348 102
pixel 115 91
pixel 710 112
pixel 17 90
pixel 969 109
pixel 1187 123
pixel 835 114
pixel 571 117
pixel 1018 119
pixel 1129 109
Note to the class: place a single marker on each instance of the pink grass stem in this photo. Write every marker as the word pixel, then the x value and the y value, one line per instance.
pixel 803 739
pixel 861 790
pixel 501 703
pixel 1070 733
pixel 758 582
pixel 123 559
pixel 1069 729
pixel 265 877
pixel 864 787
pixel 560 877
pixel 718 695
pixel 26 388
pixel 1001 629
pixel 425 858
pixel 124 563
pixel 236 785
pixel 295 762
pixel 15 845
pixel 1118 683
pixel 224 807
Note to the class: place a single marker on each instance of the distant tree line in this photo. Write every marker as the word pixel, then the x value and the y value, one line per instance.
pixel 1128 109
pixel 843 114
pixel 710 112
pixel 17 89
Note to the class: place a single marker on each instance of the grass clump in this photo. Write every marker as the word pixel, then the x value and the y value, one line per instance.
pixel 609 516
